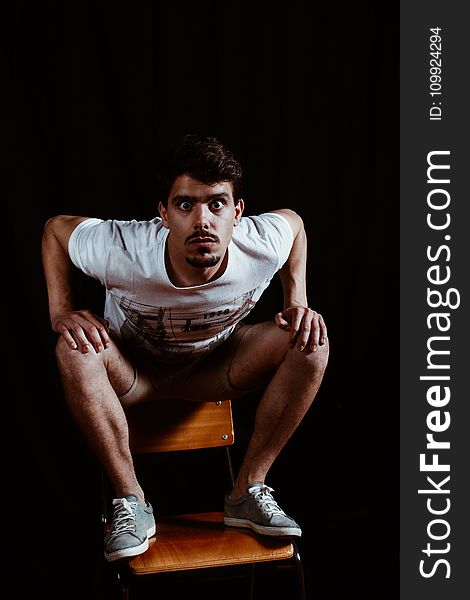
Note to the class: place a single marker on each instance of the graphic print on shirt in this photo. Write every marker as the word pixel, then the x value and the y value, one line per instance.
pixel 173 334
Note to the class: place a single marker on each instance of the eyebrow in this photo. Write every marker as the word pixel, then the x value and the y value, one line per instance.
pixel 208 198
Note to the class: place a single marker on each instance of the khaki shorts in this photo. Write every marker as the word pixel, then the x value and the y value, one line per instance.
pixel 204 380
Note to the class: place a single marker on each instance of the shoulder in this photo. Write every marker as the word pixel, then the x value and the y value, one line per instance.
pixel 294 220
pixel 125 234
pixel 267 225
pixel 268 236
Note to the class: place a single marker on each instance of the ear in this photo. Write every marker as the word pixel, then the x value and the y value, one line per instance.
pixel 164 215
pixel 239 207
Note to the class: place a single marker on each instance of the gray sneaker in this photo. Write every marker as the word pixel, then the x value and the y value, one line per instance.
pixel 133 523
pixel 259 511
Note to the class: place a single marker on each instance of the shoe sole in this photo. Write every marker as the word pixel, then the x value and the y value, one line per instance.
pixel 131 552
pixel 263 529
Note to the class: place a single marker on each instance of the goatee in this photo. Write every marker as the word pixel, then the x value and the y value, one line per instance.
pixel 202 261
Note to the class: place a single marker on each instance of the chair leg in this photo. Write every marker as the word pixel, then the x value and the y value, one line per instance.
pixel 123 585
pixel 299 571
pixel 252 581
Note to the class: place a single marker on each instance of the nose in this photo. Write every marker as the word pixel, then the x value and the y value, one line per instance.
pixel 202 215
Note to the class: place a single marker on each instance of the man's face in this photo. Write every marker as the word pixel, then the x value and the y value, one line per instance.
pixel 201 219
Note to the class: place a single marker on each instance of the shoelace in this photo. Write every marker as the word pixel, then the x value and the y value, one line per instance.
pixel 123 517
pixel 265 500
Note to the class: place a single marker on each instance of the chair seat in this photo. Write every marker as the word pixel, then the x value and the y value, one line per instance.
pixel 201 540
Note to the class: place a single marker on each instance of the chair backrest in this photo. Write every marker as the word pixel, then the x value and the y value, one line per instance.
pixel 169 425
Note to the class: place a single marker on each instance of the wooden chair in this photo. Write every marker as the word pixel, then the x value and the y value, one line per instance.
pixel 198 541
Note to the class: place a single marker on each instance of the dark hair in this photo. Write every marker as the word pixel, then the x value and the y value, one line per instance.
pixel 203 158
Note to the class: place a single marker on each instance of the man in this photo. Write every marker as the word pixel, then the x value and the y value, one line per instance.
pixel 177 290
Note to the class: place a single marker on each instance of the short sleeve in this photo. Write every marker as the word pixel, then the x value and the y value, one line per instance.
pixel 88 247
pixel 276 233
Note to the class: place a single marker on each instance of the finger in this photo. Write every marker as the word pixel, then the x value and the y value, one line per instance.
pixel 281 322
pixel 305 332
pixel 323 331
pixel 98 332
pixel 96 335
pixel 93 337
pixel 99 336
pixel 80 337
pixel 65 333
pixel 315 333
pixel 295 326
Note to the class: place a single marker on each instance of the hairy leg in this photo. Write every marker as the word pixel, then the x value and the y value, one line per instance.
pixel 92 383
pixel 294 379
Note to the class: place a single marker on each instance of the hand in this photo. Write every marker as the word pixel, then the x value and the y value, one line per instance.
pixel 307 328
pixel 82 329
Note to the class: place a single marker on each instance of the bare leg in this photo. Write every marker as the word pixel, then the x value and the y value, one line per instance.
pixel 92 383
pixel 296 378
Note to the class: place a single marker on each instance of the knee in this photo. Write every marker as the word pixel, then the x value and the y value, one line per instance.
pixel 321 355
pixel 71 359
pixel 65 355
pixel 62 350
pixel 319 358
pixel 312 362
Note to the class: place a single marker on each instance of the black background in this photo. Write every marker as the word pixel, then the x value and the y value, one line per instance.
pixel 306 96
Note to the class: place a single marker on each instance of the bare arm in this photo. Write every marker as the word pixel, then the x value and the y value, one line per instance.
pixel 78 327
pixel 307 327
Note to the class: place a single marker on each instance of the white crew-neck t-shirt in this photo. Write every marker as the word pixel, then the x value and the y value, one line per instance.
pixel 174 323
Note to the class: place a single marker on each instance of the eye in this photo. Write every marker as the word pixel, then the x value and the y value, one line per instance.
pixel 217 204
pixel 184 205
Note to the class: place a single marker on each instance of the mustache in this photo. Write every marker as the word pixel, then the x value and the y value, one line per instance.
pixel 201 235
